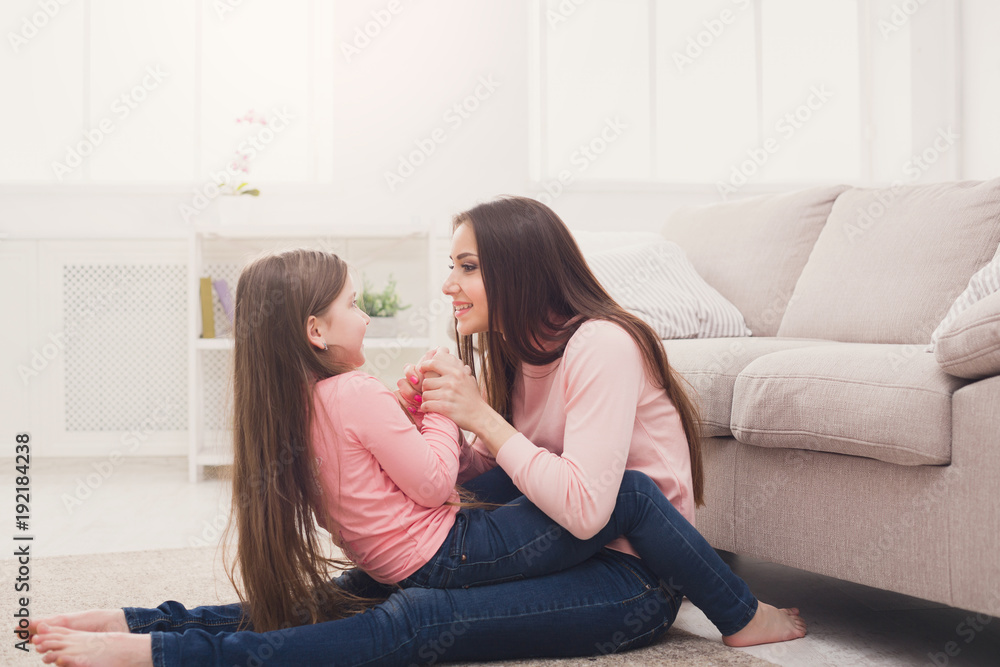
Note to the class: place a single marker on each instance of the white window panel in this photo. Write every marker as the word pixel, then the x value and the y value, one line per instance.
pixel 891 91
pixel 810 89
pixel 706 111
pixel 256 57
pixel 597 97
pixel 142 74
pixel 42 79
pixel 981 64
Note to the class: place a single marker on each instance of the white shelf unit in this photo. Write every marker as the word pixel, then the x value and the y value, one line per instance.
pixel 225 250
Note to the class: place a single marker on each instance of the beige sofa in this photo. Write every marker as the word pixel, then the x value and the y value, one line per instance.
pixel 838 444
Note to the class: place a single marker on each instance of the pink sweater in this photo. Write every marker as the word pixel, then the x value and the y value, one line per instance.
pixel 383 481
pixel 583 420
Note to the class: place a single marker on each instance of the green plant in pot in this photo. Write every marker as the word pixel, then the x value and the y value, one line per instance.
pixel 382 307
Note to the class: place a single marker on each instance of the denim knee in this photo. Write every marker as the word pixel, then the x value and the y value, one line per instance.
pixel 634 480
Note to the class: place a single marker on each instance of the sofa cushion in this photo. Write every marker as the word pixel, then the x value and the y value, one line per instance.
pixel 886 402
pixel 656 282
pixel 753 250
pixel 970 346
pixel 711 365
pixel 891 261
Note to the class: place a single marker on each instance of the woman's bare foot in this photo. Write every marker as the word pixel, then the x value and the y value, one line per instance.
pixel 92 620
pixel 76 648
pixel 769 624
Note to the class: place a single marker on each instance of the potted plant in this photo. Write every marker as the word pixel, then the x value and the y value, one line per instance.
pixel 235 209
pixel 382 307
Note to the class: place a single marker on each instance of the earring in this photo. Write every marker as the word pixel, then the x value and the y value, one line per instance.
pixel 324 346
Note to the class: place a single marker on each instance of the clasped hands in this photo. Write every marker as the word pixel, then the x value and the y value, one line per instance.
pixel 440 382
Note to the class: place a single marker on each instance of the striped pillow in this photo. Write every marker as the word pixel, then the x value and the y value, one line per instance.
pixel 658 283
pixel 984 282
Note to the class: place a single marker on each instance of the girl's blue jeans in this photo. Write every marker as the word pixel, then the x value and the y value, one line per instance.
pixel 610 602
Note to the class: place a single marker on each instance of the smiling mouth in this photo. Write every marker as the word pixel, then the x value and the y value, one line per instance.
pixel 459 310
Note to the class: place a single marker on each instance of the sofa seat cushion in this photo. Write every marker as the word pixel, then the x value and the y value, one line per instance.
pixel 881 401
pixel 711 365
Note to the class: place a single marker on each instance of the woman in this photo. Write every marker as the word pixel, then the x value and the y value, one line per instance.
pixel 545 328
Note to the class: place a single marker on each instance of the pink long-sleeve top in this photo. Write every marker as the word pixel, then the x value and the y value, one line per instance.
pixel 582 421
pixel 384 481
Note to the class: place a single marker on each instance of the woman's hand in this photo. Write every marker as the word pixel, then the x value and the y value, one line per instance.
pixel 455 394
pixel 411 384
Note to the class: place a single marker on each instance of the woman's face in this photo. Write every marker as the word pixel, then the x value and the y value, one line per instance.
pixel 465 283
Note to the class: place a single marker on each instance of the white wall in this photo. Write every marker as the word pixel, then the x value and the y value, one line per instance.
pixel 397 91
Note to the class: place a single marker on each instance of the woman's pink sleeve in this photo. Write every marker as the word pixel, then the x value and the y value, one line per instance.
pixel 604 373
pixel 475 460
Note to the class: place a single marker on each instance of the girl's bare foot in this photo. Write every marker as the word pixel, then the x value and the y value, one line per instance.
pixel 76 648
pixel 768 625
pixel 92 620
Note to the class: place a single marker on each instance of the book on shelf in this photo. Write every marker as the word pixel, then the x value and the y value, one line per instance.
pixel 207 315
pixel 225 298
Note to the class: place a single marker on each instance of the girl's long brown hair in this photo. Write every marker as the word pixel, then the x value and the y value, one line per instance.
pixel 536 279
pixel 283 568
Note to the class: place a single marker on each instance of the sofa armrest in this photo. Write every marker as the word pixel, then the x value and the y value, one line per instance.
pixel 972 482
pixel 970 346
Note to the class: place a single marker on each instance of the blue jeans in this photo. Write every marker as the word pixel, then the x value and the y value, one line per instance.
pixel 519 541
pixel 608 604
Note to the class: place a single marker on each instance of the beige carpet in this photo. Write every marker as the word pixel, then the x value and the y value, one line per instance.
pixel 195 576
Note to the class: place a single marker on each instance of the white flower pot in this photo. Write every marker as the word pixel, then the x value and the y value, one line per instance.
pixel 236 210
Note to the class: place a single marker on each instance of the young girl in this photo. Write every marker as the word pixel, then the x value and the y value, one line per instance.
pixel 316 438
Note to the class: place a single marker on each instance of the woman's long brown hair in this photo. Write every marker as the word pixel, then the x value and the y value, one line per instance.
pixel 284 572
pixel 536 282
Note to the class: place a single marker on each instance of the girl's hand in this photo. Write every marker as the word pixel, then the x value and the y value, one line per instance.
pixel 411 384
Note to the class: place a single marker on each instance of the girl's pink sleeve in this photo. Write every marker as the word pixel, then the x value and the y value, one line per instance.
pixel 422 463
pixel 579 489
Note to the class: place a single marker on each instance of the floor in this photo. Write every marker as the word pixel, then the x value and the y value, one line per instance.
pixel 95 506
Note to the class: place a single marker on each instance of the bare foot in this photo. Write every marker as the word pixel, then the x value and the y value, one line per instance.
pixel 75 648
pixel 768 625
pixel 92 620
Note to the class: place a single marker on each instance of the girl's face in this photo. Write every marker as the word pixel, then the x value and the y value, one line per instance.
pixel 465 283
pixel 343 328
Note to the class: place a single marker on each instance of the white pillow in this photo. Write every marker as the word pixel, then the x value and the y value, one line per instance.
pixel 658 283
pixel 986 281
